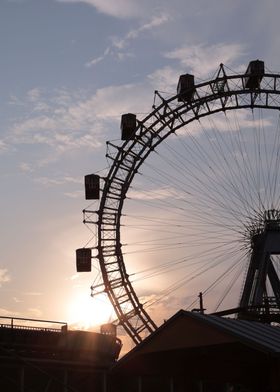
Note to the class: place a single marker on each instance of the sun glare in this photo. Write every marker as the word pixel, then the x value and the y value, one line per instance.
pixel 86 312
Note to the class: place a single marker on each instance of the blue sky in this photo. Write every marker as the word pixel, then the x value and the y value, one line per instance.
pixel 69 69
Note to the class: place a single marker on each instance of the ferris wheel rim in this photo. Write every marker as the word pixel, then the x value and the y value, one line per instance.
pixel 130 156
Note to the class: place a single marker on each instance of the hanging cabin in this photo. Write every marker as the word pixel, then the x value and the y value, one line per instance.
pixel 92 187
pixel 128 126
pixel 186 88
pixel 255 72
pixel 83 260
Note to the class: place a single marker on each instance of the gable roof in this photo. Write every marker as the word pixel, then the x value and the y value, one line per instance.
pixel 263 337
pixel 256 335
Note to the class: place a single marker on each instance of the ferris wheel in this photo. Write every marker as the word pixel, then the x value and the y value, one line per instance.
pixel 190 190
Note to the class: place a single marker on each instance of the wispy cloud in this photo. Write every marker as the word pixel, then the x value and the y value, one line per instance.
pixel 6 312
pixel 155 194
pixel 17 300
pixel 161 308
pixel 34 312
pixel 117 8
pixel 75 276
pixel 165 79
pixel 95 60
pixel 203 59
pixel 4 276
pixel 25 167
pixel 33 293
pixel 47 181
pixel 75 120
pixel 64 122
pixel 3 145
pixel 34 94
pixel 74 194
pixel 118 45
pixel 34 97
pixel 156 21
pixel 98 59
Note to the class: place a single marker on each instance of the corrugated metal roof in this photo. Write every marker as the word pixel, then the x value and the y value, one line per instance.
pixel 265 337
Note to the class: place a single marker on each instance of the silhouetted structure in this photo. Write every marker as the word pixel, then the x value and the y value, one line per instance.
pixel 255 302
pixel 54 359
pixel 256 88
pixel 203 353
pixel 190 352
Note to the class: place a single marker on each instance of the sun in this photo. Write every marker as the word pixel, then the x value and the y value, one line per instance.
pixel 86 312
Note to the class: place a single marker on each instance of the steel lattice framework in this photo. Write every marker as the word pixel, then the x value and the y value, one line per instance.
pixel 224 93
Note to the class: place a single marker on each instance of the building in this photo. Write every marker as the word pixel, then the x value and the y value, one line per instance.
pixel 189 352
pixel 36 355
pixel 197 352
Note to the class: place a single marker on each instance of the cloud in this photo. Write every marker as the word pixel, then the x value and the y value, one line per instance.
pixel 4 276
pixel 116 8
pixel 33 293
pixel 34 312
pixel 3 145
pixel 74 194
pixel 112 101
pixel 155 194
pixel 17 300
pixel 119 44
pixel 14 100
pixel 75 121
pixel 97 60
pixel 33 95
pixel 161 308
pixel 46 181
pixel 156 21
pixel 75 276
pixel 203 59
pixel 25 167
pixel 8 312
pixel 67 124
pixel 165 79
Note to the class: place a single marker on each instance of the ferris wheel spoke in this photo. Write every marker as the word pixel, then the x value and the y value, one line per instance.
pixel 196 213
pixel 232 170
pixel 231 284
pixel 221 162
pixel 190 204
pixel 187 278
pixel 274 167
pixel 207 258
pixel 201 182
pixel 206 193
pixel 239 262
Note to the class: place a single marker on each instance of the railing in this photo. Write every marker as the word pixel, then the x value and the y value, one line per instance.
pixel 13 324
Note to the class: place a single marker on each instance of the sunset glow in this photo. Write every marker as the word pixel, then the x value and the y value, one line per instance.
pixel 85 312
pixel 63 92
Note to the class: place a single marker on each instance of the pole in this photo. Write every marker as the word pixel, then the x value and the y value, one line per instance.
pixel 171 383
pixel 139 384
pixel 22 379
pixel 201 303
pixel 104 382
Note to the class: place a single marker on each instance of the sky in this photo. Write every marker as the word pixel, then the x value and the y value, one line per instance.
pixel 69 70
